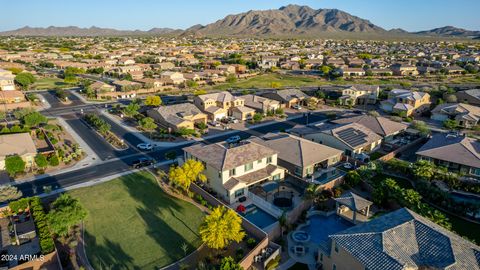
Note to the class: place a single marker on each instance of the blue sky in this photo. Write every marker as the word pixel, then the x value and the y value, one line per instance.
pixel 411 15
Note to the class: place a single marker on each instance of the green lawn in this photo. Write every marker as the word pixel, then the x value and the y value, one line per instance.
pixel 49 83
pixel 133 224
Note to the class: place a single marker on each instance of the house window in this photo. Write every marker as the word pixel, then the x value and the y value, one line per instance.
pixel 232 172
pixel 298 171
pixel 220 174
pixel 269 160
pixel 248 167
pixel 239 193
pixel 259 161
pixel 336 248
pixel 276 177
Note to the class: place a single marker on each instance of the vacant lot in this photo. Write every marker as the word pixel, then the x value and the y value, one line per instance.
pixel 133 224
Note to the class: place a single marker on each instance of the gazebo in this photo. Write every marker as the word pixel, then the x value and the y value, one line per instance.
pixel 355 203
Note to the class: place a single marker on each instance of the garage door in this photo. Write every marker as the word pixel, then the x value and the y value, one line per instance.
pixel 219 116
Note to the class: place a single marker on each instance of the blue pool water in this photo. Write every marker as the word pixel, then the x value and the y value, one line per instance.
pixel 259 217
pixel 321 227
pixel 270 186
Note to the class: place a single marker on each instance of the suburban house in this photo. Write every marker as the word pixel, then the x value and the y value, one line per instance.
pixel 353 72
pixel 465 115
pixel 125 85
pixel 20 144
pixel 260 104
pixel 406 102
pixel 360 94
pixel 404 70
pixel 454 151
pixel 222 104
pixel 471 96
pixel 398 240
pixel 378 124
pixel 184 115
pixel 13 99
pixel 302 158
pixel 6 80
pixel 232 170
pixel 268 62
pixel 287 97
pixel 354 139
pixel 172 77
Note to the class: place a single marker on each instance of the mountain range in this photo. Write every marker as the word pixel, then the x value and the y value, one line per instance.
pixel 287 21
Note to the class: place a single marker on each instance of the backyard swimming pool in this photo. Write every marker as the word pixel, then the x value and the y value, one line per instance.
pixel 321 227
pixel 259 217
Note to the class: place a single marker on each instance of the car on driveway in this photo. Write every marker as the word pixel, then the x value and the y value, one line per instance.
pixel 297 107
pixel 142 162
pixel 233 139
pixel 145 146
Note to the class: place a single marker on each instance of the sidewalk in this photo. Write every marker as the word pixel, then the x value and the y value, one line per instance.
pixel 140 136
pixel 90 159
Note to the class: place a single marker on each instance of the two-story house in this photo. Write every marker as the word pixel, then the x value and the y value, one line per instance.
pixel 359 94
pixel 232 170
pixel 465 115
pixel 406 102
pixel 222 104
pixel 6 80
pixel 172 78
pixel 260 104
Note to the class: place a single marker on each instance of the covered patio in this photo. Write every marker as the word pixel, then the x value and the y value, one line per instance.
pixel 353 207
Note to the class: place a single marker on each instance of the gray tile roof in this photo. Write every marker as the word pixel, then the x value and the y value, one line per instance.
pixel 296 150
pixel 289 94
pixel 405 240
pixel 453 148
pixel 175 114
pixel 380 125
pixel 458 110
pixel 353 201
pixel 221 157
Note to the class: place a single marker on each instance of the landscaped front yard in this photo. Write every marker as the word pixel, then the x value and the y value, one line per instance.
pixel 133 224
pixel 49 83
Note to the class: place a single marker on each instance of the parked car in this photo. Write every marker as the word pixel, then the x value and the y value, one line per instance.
pixel 142 162
pixel 233 139
pixel 214 123
pixel 145 146
pixel 297 107
pixel 232 119
pixel 348 165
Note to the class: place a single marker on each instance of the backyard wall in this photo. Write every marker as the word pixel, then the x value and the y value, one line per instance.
pixel 392 154
pixel 249 227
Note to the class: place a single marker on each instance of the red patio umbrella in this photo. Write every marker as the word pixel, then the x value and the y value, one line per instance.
pixel 241 208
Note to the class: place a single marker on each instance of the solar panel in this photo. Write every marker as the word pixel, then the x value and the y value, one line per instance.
pixel 352 136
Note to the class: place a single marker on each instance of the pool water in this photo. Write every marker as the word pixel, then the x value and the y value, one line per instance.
pixel 259 217
pixel 321 227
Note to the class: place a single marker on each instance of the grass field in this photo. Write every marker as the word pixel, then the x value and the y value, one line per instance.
pixel 281 81
pixel 49 83
pixel 133 224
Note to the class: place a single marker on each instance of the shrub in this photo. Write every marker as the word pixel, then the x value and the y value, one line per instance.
pixel 53 160
pixel 251 242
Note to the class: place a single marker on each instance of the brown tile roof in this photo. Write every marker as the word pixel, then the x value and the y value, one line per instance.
pixel 380 125
pixel 222 158
pixel 257 175
pixel 19 144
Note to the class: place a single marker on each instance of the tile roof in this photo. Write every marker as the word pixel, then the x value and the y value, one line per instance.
pixel 175 113
pixel 458 110
pixel 19 144
pixel 354 135
pixel 380 125
pixel 353 201
pixel 223 96
pixel 221 157
pixel 453 148
pixel 296 150
pixel 403 239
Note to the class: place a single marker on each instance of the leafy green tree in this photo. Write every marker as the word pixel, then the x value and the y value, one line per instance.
pixel 53 160
pixel 421 126
pixel 25 79
pixel 9 193
pixel 231 78
pixel 65 213
pixel 41 161
pixel 131 109
pixel 257 117
pixel 228 263
pixel 192 84
pixel 153 101
pixel 34 119
pixel 14 164
pixel 183 176
pixel 353 178
pixel 148 124
pixel 424 169
pixel 221 227
pixel 326 70
pixel 450 124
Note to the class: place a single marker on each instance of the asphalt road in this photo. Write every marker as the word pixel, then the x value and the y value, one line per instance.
pixel 125 157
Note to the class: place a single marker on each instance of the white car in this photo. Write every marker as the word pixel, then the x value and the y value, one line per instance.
pixel 297 107
pixel 145 146
pixel 348 165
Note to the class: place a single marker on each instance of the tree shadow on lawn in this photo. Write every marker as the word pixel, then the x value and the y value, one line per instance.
pixel 156 205
pixel 107 256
